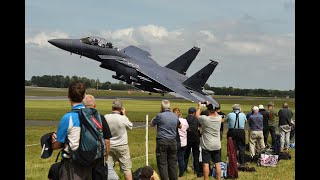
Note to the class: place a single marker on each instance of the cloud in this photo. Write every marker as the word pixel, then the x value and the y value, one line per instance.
pixel 245 47
pixel 41 39
pixel 228 42
pixel 207 36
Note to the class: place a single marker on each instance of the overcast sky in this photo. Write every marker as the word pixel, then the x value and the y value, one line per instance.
pixel 253 41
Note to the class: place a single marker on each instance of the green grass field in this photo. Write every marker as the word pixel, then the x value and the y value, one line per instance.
pixel 37 168
pixel 136 109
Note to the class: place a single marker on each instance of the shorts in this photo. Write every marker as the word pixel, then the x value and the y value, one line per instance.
pixel 215 156
pixel 121 154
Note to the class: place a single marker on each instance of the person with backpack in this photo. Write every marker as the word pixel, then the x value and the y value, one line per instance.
pixel 69 130
pixel 236 123
pixel 100 171
pixel 193 142
pixel 119 148
pixel 210 139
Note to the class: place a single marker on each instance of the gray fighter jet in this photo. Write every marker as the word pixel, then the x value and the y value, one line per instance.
pixel 135 66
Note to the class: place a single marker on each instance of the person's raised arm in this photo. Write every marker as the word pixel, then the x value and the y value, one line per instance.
pixel 154 121
pixel 198 110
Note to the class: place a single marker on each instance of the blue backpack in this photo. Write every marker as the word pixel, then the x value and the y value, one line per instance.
pixel 92 146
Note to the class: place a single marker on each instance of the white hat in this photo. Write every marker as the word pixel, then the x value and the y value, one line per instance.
pixel 261 106
pixel 255 108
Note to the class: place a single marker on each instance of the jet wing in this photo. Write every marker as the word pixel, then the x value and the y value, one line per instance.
pixel 140 56
pixel 176 87
pixel 205 97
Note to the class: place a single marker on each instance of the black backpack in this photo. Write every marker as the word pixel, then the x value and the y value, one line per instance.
pixel 276 145
pixel 193 123
pixel 92 146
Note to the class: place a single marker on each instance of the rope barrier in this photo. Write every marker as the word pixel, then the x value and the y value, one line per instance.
pixel 32 145
pixel 142 156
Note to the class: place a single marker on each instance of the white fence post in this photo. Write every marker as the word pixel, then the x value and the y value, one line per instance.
pixel 147 160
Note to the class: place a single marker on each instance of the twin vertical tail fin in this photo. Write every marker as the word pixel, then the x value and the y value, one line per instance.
pixel 182 63
pixel 198 80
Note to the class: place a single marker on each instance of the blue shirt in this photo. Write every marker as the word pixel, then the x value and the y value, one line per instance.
pixel 256 122
pixel 231 118
pixel 69 127
pixel 249 114
pixel 167 123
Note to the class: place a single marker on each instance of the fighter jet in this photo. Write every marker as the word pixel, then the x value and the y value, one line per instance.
pixel 135 66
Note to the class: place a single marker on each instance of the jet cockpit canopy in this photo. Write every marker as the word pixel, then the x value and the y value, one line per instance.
pixel 96 41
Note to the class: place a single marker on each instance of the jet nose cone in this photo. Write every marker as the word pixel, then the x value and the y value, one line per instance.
pixel 61 43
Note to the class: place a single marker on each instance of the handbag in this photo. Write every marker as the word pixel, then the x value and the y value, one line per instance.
pixel 268 160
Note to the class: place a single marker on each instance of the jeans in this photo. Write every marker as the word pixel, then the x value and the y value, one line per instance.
pixel 195 153
pixel 272 131
pixel 265 134
pixel 181 162
pixel 284 139
pixel 166 154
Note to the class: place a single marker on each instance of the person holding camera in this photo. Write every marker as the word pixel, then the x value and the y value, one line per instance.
pixel 210 139
pixel 167 123
pixel 119 149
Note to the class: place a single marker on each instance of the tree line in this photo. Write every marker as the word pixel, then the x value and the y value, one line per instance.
pixel 59 81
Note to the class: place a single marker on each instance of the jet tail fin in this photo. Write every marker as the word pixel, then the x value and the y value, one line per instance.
pixel 198 80
pixel 182 63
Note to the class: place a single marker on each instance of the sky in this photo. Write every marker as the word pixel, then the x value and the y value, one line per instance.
pixel 253 41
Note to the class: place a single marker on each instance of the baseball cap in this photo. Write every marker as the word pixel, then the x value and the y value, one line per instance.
pixel 46 145
pixel 261 106
pixel 192 110
pixel 117 104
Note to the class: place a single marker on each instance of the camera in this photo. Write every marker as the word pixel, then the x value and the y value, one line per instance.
pixel 121 112
pixel 204 102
